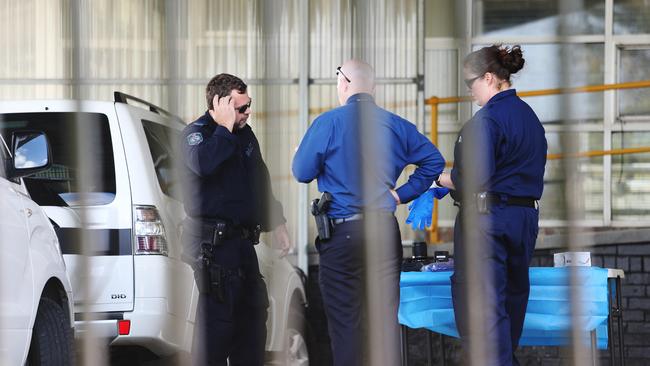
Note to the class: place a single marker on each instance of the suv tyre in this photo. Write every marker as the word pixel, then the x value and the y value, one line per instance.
pixel 52 336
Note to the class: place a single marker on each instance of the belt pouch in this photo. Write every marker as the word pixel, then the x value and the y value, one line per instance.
pixel 217 283
pixel 214 233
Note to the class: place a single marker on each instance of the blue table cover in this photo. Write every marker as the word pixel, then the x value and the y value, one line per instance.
pixel 425 302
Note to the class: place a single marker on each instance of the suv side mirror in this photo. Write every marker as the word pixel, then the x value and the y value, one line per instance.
pixel 31 154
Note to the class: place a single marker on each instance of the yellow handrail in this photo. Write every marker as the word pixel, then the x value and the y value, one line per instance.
pixel 435 101
pixel 593 153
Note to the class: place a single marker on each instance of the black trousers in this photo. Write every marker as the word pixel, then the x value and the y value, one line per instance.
pixel 507 235
pixel 342 283
pixel 232 330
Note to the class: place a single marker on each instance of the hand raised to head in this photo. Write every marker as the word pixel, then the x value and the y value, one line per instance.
pixel 223 111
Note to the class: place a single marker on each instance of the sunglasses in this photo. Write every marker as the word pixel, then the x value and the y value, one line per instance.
pixel 245 107
pixel 470 82
pixel 338 70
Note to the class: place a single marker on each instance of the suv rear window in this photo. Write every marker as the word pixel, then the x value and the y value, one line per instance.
pixel 163 144
pixel 59 185
pixel 3 155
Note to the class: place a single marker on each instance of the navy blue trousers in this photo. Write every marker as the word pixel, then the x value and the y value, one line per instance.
pixel 234 330
pixel 341 279
pixel 508 234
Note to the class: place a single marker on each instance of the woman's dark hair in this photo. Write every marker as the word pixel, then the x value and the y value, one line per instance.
pixel 222 85
pixel 499 60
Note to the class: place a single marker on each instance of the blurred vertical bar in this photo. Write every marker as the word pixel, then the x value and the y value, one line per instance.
pixel 381 331
pixel 420 52
pixel 477 348
pixel 93 350
pixel 478 304
pixel 302 239
pixel 5 233
pixel 174 18
pixel 172 53
pixel 573 189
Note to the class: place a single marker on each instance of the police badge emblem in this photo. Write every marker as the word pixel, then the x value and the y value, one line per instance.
pixel 194 138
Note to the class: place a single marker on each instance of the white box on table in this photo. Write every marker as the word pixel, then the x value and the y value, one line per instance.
pixel 566 259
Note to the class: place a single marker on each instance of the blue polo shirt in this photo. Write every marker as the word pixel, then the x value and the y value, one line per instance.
pixel 510 148
pixel 331 153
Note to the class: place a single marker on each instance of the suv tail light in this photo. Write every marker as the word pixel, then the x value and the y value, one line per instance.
pixel 149 231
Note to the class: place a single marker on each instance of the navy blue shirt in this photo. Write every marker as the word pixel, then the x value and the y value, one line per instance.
pixel 225 177
pixel 510 148
pixel 330 152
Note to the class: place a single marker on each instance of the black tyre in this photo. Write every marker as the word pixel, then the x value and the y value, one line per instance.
pixel 52 338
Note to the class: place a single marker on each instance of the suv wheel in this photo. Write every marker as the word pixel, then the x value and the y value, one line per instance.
pixel 52 342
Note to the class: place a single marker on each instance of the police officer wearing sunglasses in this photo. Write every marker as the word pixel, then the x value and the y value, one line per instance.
pixel 228 201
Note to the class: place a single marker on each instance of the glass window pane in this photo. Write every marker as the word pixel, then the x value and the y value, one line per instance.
pixel 59 185
pixel 630 178
pixel 536 17
pixel 634 67
pixel 590 202
pixel 545 68
pixel 631 16
pixel 3 152
pixel 163 146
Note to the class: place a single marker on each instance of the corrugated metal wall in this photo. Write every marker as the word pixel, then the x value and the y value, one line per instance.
pixel 124 47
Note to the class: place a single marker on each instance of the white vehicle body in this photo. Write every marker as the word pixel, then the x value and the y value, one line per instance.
pixel 113 277
pixel 33 274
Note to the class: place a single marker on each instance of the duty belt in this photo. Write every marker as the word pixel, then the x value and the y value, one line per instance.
pixel 224 230
pixel 495 199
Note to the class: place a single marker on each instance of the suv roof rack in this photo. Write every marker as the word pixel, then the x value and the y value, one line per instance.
pixel 124 98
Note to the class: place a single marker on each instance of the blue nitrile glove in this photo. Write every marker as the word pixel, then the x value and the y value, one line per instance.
pixel 421 208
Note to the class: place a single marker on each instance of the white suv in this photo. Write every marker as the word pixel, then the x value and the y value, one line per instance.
pixel 137 291
pixel 36 319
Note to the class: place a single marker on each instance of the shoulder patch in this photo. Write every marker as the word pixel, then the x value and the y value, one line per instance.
pixel 194 138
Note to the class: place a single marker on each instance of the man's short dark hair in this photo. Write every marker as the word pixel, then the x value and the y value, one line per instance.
pixel 222 85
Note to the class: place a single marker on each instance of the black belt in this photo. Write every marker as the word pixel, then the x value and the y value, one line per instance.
pixel 494 199
pixel 227 230
pixel 231 272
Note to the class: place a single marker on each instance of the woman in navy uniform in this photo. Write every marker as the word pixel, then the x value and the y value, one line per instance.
pixel 503 168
